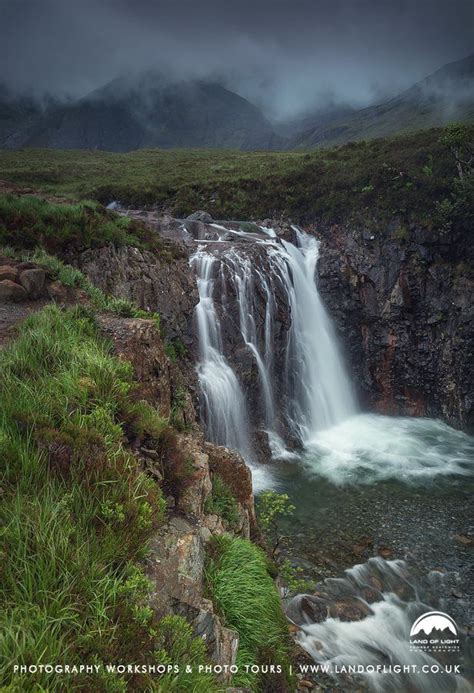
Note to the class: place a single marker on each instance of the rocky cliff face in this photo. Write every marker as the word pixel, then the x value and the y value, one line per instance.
pixel 402 302
pixel 176 561
pixel 401 299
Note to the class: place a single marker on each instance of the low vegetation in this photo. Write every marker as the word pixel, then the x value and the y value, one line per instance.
pixel 77 513
pixel 73 278
pixel 246 597
pixel 407 176
pixel 222 502
pixel 28 222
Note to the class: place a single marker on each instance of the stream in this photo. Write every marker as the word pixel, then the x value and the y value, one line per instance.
pixel 381 527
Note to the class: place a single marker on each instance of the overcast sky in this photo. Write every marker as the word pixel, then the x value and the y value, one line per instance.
pixel 285 55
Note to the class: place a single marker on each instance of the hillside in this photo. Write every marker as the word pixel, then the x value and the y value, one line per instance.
pixel 443 97
pixel 411 176
pixel 150 112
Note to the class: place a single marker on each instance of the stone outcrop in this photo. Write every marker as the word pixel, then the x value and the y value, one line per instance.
pixel 402 300
pixel 162 284
pixel 176 561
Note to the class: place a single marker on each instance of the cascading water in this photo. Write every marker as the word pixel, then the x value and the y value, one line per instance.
pixel 308 390
pixel 224 404
pixel 321 390
pixel 375 646
pixel 269 362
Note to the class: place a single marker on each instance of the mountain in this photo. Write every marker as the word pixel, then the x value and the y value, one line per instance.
pixel 151 112
pixel 16 113
pixel 445 96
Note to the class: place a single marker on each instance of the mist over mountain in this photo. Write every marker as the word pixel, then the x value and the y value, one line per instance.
pixel 258 74
pixel 149 111
pixel 443 97
pixel 153 110
pixel 288 58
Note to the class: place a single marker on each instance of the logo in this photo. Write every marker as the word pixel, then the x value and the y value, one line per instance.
pixel 434 631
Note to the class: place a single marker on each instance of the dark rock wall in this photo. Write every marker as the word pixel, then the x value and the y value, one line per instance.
pixel 402 301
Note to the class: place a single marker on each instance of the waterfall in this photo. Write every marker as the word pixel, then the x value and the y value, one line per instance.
pixel 224 404
pixel 321 391
pixel 261 291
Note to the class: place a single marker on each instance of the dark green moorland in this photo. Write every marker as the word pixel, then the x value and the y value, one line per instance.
pixel 410 176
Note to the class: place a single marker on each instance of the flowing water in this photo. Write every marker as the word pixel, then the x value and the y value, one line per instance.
pixel 362 484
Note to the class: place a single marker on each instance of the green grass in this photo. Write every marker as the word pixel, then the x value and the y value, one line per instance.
pixel 73 278
pixel 76 510
pixel 403 176
pixel 222 502
pixel 246 596
pixel 27 222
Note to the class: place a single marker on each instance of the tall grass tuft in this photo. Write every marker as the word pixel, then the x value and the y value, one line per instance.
pixel 247 598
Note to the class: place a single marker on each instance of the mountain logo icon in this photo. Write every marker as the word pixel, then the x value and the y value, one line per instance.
pixel 433 621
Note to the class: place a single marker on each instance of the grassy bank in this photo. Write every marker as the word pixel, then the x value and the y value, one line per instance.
pixel 247 599
pixel 405 176
pixel 27 222
pixel 76 514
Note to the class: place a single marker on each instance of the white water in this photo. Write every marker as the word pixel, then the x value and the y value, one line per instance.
pixel 366 448
pixel 224 403
pixel 382 637
pixel 309 396
pixel 322 394
pixel 314 391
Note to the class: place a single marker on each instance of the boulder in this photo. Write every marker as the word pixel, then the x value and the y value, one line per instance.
pixel 58 292
pixel 10 291
pixel 33 281
pixel 230 466
pixel 8 272
pixel 205 217
pixel 138 341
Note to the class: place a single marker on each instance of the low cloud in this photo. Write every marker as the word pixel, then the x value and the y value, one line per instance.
pixel 286 56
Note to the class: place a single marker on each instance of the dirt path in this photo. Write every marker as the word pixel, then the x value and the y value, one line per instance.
pixel 11 314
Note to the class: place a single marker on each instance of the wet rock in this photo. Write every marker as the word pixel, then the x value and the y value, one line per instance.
pixel 138 341
pixel 385 552
pixel 463 540
pixel 175 566
pixel 198 487
pixel 205 217
pixel 304 609
pixel 33 281
pixel 402 312
pixel 349 610
pixel 214 524
pixel 8 272
pixel 232 469
pixel 11 291
pixel 163 284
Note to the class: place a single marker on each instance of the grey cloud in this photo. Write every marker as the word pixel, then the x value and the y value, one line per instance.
pixel 287 56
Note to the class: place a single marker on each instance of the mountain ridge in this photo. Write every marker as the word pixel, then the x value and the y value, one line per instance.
pixel 151 110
